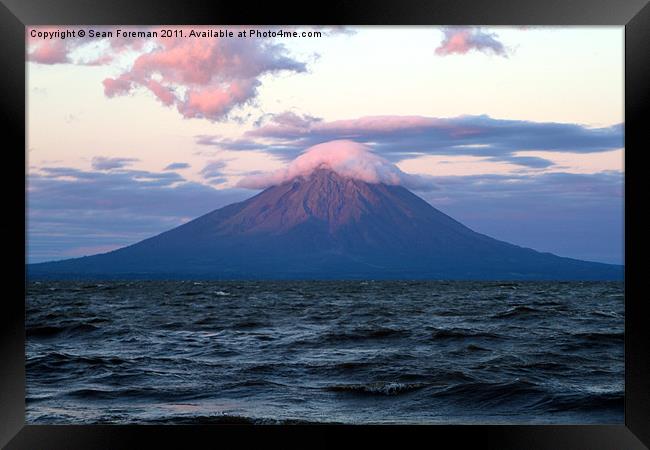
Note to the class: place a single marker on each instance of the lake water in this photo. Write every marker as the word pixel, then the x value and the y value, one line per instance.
pixel 349 352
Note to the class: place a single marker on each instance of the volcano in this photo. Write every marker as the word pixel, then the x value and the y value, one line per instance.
pixel 324 225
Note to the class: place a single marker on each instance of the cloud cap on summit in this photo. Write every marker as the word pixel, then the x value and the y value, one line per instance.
pixel 347 158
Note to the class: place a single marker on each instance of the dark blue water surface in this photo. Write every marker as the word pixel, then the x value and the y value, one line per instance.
pixel 351 352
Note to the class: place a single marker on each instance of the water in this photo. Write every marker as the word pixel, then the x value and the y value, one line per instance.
pixel 350 352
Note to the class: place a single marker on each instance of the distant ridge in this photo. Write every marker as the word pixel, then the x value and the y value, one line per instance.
pixel 326 226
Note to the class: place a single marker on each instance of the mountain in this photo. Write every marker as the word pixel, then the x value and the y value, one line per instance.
pixel 326 226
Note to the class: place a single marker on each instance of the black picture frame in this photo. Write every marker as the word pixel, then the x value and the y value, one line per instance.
pixel 16 14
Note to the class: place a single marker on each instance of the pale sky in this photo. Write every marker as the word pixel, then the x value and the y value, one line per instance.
pixel 525 79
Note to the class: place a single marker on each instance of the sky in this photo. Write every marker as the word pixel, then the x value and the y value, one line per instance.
pixel 517 132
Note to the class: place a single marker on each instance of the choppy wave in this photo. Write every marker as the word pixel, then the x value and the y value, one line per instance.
pixel 601 336
pixel 68 330
pixel 377 388
pixel 463 333
pixel 519 311
pixel 367 333
pixel 324 352
pixel 226 419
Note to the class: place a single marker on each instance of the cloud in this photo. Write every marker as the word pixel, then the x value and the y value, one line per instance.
pixel 177 166
pixel 50 52
pixel 553 186
pixel 461 40
pixel 574 215
pixel 214 171
pixel 202 77
pixel 71 208
pixel 347 158
pixel 534 162
pixel 226 143
pixel 288 119
pixel 402 137
pixel 284 152
pixel 104 163
pixel 57 45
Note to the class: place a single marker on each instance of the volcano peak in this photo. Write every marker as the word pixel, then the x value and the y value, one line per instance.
pixel 322 195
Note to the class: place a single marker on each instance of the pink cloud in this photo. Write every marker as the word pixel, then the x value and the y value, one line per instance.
pixel 48 51
pixel 218 101
pixel 282 127
pixel 461 40
pixel 116 86
pixel 402 137
pixel 162 93
pixel 347 158
pixel 382 124
pixel 201 77
pixel 56 45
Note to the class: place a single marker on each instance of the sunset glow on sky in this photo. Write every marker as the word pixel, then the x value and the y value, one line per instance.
pixel 517 131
